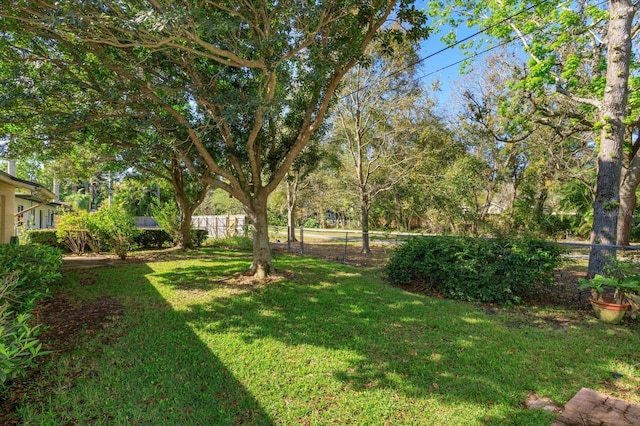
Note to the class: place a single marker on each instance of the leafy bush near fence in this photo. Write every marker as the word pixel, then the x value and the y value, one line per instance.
pixel 118 228
pixel 45 237
pixel 152 238
pixel 27 272
pixel 111 227
pixel 198 236
pixel 474 269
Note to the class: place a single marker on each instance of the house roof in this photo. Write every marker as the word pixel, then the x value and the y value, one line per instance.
pixel 36 199
pixel 41 192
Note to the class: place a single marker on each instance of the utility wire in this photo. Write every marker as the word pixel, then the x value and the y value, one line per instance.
pixel 451 46
pixel 475 55
pixel 469 37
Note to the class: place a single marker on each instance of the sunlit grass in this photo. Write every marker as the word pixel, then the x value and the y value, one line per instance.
pixel 332 345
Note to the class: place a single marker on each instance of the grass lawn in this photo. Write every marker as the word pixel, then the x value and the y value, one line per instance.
pixel 330 344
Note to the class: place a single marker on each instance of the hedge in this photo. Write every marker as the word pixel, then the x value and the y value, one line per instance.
pixel 46 237
pixel 152 238
pixel 474 269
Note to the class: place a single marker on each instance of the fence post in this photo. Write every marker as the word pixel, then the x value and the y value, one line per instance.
pixel 346 240
pixel 301 240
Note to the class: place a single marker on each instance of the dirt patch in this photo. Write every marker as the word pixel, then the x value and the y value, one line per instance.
pixel 350 254
pixel 63 324
pixel 91 260
pixel 63 320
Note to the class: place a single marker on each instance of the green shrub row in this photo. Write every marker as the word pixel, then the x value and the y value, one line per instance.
pixel 152 238
pixel 27 273
pixel 474 269
pixel 45 237
pixel 146 239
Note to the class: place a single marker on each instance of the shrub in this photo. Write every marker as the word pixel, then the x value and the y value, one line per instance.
pixel 167 216
pixel 45 237
pixel 473 269
pixel 18 343
pixel 35 267
pixel 27 271
pixel 198 236
pixel 118 228
pixel 72 231
pixel 152 238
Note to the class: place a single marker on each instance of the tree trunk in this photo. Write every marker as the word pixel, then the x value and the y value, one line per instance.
pixel 364 211
pixel 262 264
pixel 538 210
pixel 630 182
pixel 292 189
pixel 185 241
pixel 184 205
pixel 606 204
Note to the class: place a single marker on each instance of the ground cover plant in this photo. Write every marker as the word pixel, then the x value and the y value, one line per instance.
pixel 189 340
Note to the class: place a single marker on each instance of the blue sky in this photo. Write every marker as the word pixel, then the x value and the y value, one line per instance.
pixel 430 69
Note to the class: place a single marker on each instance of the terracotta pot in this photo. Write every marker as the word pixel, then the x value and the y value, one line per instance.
pixel 608 310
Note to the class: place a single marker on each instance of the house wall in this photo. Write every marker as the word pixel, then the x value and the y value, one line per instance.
pixel 42 217
pixel 7 207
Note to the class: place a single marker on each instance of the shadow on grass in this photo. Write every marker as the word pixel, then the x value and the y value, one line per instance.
pixel 416 346
pixel 147 368
pixel 421 349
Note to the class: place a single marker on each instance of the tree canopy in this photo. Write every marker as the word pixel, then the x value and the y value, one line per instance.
pixel 247 83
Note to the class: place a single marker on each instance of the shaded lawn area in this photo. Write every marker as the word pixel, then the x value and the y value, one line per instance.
pixel 323 344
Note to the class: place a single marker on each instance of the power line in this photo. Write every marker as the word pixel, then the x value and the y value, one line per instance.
pixel 451 46
pixel 469 37
pixel 489 49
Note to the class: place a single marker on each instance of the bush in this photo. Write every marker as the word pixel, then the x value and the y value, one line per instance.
pixel 34 267
pixel 71 230
pixel 27 271
pixel 45 237
pixel 118 228
pixel 473 269
pixel 198 236
pixel 167 216
pixel 152 238
pixel 18 343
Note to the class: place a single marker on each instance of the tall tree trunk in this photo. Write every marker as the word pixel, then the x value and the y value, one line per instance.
pixel 628 186
pixel 538 210
pixel 606 204
pixel 292 198
pixel 185 206
pixel 364 215
pixel 185 241
pixel 262 262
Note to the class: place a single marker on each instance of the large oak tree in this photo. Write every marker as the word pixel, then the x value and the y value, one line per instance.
pixel 258 76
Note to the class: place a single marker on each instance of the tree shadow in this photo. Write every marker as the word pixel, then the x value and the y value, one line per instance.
pixel 400 346
pixel 145 367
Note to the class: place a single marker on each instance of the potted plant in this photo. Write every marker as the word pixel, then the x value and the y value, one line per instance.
pixel 613 295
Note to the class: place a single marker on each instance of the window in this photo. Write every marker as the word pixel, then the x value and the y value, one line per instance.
pixel 20 216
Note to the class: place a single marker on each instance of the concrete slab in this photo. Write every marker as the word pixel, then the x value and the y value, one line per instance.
pixel 591 408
